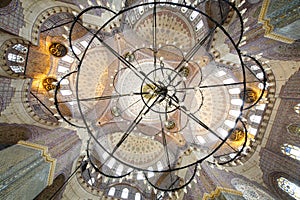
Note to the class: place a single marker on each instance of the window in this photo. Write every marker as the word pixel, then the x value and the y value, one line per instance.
pixel 159 166
pixel 119 170
pixel 201 139
pixel 194 15
pixel 234 91
pixel 237 102
pixel 291 188
pixel 15 58
pixel 220 73
pixel 297 108
pixel 125 193
pixel 66 92
pixel 68 59
pixel 255 119
pixel 291 150
pixel 20 47
pixel 17 68
pixel 228 81
pixel 62 69
pixel 137 196
pixel 150 173
pixel 111 191
pixel 199 25
pixel 111 162
pixel 91 181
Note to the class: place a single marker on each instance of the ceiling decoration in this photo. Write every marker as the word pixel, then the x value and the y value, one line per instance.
pixel 166 104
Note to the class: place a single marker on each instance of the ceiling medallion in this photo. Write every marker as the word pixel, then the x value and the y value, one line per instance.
pixel 167 110
pixel 250 95
pixel 49 83
pixel 58 49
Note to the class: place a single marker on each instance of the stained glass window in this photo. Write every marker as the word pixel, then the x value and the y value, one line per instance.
pixel 291 150
pixel 291 188
pixel 20 48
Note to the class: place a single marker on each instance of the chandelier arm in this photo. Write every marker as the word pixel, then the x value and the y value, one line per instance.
pixel 98 168
pixel 175 189
pixel 165 146
pixel 100 98
pixel 115 53
pixel 261 81
pixel 154 37
pixel 56 103
pixel 195 48
pixel 193 117
pixel 139 74
pixel 212 86
pixel 198 121
pixel 76 21
pixel 130 106
pixel 137 62
pixel 135 122
pixel 123 60
pixel 192 52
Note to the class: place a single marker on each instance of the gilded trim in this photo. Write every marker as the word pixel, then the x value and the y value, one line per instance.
pixel 217 192
pixel 46 156
pixel 268 26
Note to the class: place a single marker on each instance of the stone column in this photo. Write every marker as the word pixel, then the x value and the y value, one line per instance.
pixel 25 171
pixel 28 167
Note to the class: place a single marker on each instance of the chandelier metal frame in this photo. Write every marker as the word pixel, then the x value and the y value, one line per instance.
pixel 162 92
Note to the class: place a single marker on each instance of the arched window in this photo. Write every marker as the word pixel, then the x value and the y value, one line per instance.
pixel 111 191
pixel 294 129
pixel 125 193
pixel 291 150
pixel 137 196
pixel 291 188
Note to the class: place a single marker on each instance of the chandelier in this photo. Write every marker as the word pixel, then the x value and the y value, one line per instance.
pixel 161 107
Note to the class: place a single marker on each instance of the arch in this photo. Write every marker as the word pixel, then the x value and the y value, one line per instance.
pixel 11 134
pixel 276 181
pixel 5 3
pixel 289 187
pixel 42 18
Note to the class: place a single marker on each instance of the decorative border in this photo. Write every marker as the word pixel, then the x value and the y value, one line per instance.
pixel 217 192
pixel 269 27
pixel 46 156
